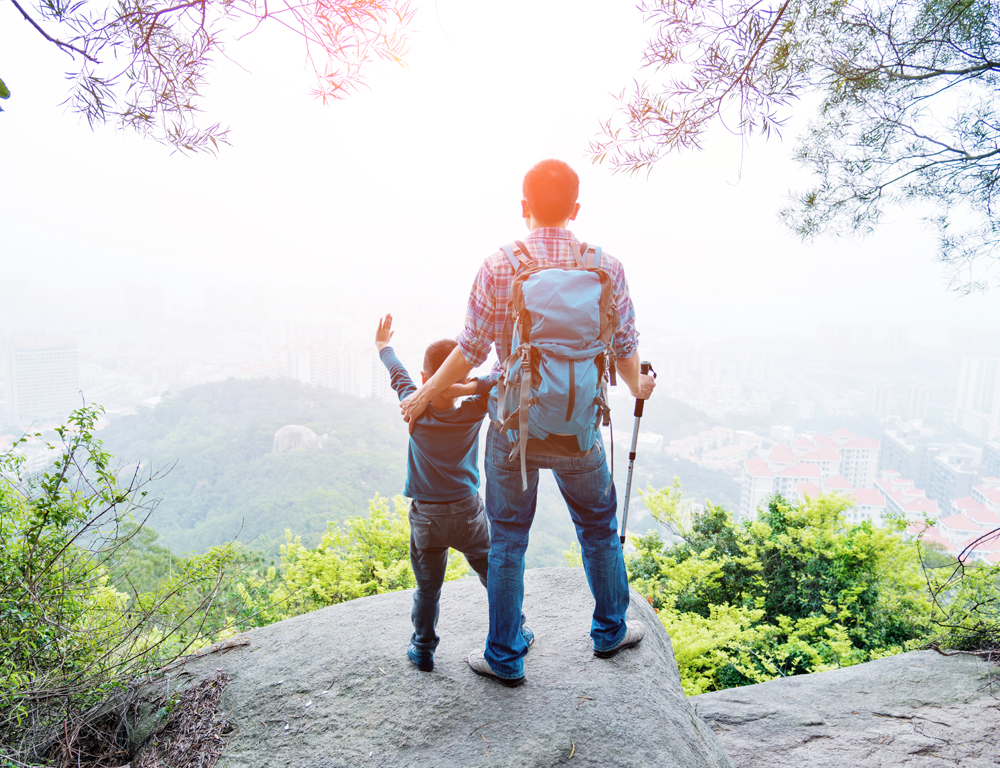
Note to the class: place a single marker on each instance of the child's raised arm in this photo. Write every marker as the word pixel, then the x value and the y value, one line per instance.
pixel 384 332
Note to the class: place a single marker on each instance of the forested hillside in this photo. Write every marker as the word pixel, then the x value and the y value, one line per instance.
pixel 216 440
pixel 223 479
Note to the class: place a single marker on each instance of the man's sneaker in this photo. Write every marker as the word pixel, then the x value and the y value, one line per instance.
pixel 423 660
pixel 633 636
pixel 482 667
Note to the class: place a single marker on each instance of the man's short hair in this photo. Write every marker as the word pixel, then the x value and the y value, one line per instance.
pixel 551 189
pixel 436 354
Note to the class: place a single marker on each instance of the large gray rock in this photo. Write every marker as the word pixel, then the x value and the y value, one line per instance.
pixel 295 437
pixel 918 710
pixel 334 688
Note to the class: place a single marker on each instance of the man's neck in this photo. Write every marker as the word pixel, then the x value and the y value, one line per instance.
pixel 534 224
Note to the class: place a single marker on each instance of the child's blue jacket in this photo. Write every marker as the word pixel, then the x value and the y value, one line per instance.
pixel 442 460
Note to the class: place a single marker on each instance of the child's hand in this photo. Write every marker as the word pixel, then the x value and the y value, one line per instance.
pixel 462 389
pixel 384 333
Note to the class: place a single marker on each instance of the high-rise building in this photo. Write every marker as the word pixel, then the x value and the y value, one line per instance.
pixel 41 377
pixel 951 477
pixel 878 402
pixel 991 460
pixel 977 405
pixel 343 368
pixel 915 406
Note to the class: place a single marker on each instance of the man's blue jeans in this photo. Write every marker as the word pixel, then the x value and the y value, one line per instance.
pixel 583 482
pixel 434 528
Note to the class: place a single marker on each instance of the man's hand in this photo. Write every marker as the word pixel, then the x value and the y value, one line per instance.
pixel 452 370
pixel 384 333
pixel 645 387
pixel 413 405
pixel 640 384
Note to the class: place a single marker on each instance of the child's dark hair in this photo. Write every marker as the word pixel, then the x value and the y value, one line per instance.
pixel 436 354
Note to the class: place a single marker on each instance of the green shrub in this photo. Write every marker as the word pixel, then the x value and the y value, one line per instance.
pixel 966 597
pixel 366 556
pixel 73 630
pixel 796 591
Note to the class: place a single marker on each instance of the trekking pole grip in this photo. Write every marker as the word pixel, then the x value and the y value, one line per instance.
pixel 644 368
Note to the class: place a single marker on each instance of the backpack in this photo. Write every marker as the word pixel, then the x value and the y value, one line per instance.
pixel 556 351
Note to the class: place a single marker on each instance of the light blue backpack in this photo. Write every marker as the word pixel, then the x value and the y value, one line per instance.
pixel 556 351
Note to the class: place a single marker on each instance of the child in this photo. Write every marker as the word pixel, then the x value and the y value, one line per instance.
pixel 442 479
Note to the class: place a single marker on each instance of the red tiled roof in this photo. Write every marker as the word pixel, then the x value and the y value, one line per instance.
pixel 843 432
pixel 933 536
pixel 824 441
pixel 993 494
pixel 868 497
pixel 809 488
pixel 958 523
pixel 823 454
pixel 984 518
pixel 800 470
pixel 837 482
pixel 920 505
pixel 803 442
pixel 968 504
pixel 782 454
pixel 758 468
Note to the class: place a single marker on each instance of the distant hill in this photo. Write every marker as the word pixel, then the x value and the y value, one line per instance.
pixel 226 480
pixel 668 417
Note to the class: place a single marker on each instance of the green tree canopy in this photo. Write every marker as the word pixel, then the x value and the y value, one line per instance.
pixel 798 590
pixel 142 65
pixel 908 113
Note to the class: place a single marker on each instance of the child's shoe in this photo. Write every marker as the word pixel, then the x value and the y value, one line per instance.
pixel 424 661
pixel 529 636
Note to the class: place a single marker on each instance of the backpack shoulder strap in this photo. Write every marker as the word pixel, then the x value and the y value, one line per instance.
pixel 509 253
pixel 518 255
pixel 590 256
pixel 525 255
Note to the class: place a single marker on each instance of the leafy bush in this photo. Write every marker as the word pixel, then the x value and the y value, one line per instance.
pixel 73 629
pixel 966 597
pixel 367 556
pixel 796 591
pixel 90 602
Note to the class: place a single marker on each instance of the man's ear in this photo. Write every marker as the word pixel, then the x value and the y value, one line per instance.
pixel 525 210
pixel 576 210
pixel 423 377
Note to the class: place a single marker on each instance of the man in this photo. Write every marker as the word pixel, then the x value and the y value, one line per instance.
pixel 549 203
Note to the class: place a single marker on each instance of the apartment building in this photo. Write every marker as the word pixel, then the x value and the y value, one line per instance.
pixel 41 378
pixel 977 403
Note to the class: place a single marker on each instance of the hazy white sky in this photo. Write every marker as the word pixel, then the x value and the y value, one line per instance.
pixel 400 191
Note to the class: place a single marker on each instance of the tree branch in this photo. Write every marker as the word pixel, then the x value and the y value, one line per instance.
pixel 68 47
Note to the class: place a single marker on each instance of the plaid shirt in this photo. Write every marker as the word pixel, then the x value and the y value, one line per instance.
pixel 487 310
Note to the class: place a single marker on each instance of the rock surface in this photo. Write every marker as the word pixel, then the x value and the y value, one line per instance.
pixel 915 710
pixel 334 688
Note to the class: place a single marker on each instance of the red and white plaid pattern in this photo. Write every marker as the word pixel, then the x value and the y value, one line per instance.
pixel 487 309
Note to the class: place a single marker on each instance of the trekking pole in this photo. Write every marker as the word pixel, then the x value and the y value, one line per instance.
pixel 645 367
